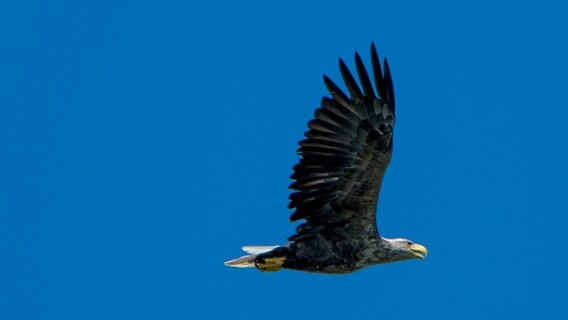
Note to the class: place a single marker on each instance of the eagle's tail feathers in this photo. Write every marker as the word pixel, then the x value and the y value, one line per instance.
pixel 242 262
pixel 258 249
pixel 265 263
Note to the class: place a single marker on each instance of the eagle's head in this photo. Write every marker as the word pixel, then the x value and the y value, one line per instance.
pixel 403 249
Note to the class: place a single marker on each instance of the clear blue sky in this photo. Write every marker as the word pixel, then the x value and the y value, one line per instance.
pixel 143 142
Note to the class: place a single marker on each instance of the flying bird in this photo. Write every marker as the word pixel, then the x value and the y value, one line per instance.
pixel 344 156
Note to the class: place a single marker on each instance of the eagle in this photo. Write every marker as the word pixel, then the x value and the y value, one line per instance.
pixel 343 159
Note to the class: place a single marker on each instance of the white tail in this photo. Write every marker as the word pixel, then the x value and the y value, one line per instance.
pixel 248 260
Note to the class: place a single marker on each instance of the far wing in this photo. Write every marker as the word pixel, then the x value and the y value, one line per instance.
pixel 344 156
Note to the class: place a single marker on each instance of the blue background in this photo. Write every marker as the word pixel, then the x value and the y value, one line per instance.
pixel 143 142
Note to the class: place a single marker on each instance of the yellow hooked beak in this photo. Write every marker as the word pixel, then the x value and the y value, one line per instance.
pixel 419 251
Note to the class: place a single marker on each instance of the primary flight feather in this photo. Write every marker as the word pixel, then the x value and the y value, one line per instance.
pixel 337 181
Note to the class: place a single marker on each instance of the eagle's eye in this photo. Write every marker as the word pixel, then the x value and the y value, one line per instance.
pixel 409 243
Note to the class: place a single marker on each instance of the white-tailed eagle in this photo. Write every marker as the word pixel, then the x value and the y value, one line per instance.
pixel 344 156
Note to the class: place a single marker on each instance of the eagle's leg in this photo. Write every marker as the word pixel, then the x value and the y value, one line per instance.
pixel 271 261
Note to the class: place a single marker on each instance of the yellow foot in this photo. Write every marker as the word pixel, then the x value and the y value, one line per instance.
pixel 270 264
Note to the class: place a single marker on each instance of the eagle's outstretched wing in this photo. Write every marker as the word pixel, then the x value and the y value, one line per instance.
pixel 345 154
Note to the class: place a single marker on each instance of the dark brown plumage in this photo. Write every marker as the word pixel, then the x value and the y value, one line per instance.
pixel 344 156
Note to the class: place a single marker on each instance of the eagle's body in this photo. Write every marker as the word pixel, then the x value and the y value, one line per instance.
pixel 345 154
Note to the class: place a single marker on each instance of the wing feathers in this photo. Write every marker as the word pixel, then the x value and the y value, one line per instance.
pixel 378 72
pixel 335 92
pixel 345 152
pixel 389 88
pixel 338 119
pixel 352 86
pixel 336 108
pixel 364 77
